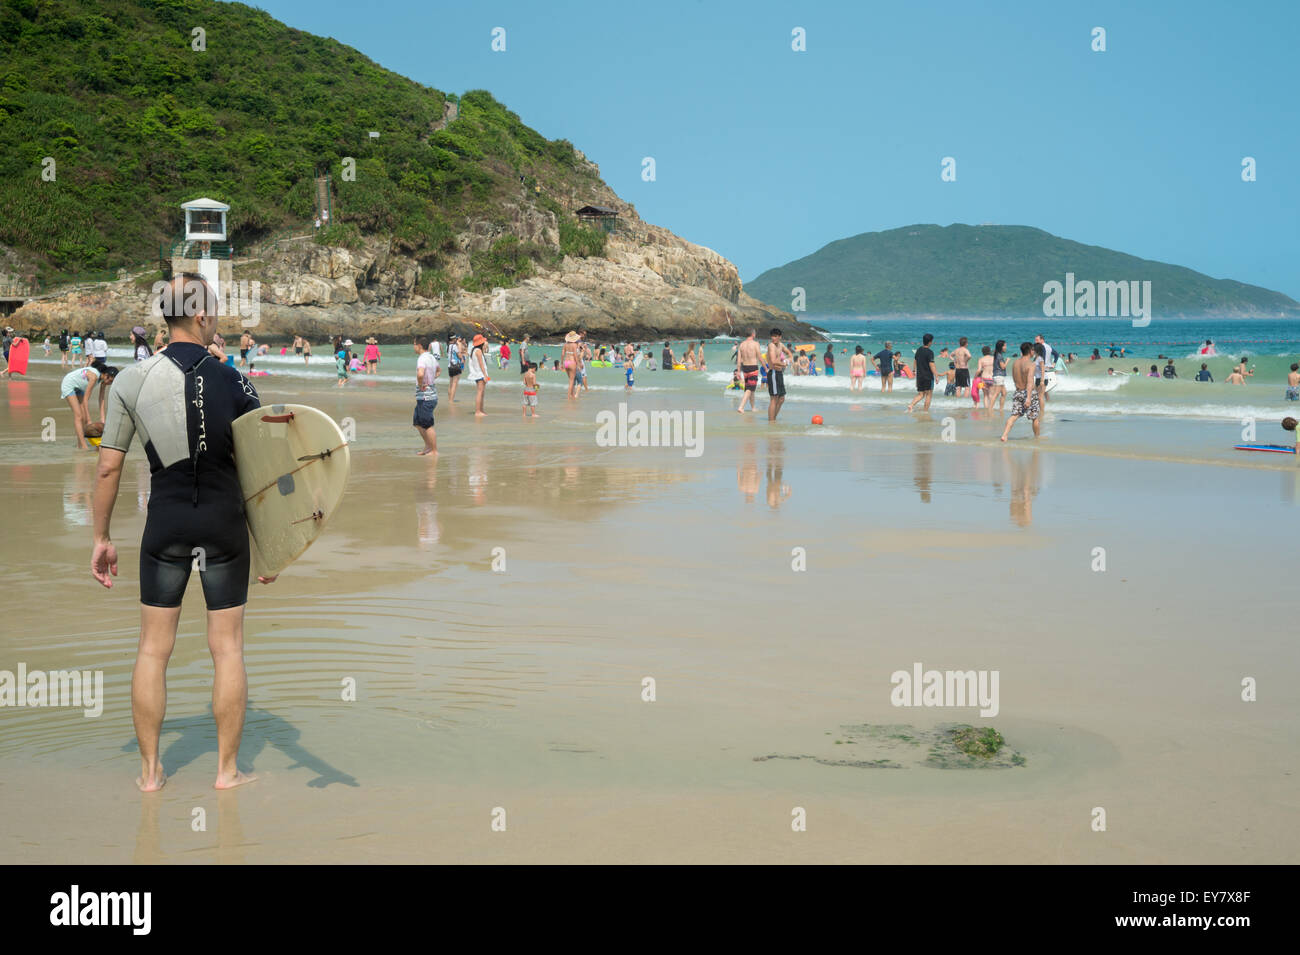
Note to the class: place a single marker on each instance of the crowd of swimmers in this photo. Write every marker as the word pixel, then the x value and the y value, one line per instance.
pixel 472 358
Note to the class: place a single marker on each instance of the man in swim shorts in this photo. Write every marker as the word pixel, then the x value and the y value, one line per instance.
pixel 778 357
pixel 1025 401
pixel 181 402
pixel 426 394
pixel 747 364
pixel 961 360
pixel 1293 383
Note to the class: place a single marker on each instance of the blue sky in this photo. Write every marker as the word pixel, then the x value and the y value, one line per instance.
pixel 765 154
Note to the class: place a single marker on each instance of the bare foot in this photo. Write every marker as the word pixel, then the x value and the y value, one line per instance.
pixel 230 782
pixel 424 452
pixel 1004 439
pixel 480 414
pixel 153 785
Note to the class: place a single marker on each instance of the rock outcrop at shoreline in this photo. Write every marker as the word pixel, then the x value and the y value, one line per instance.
pixel 650 284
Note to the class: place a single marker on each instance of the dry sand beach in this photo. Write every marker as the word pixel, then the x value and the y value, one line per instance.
pixel 522 688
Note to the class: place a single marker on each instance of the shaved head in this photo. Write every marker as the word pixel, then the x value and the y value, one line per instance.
pixel 186 296
pixel 189 306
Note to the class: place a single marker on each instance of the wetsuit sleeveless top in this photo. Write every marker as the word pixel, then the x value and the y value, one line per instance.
pixel 182 402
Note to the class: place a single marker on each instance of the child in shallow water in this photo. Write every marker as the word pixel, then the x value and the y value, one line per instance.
pixel 530 391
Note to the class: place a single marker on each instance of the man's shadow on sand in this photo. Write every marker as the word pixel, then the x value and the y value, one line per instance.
pixel 198 736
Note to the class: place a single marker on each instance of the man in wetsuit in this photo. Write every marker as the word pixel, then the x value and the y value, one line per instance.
pixel 181 403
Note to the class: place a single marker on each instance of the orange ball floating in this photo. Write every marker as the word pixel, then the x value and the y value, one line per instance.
pixel 817 419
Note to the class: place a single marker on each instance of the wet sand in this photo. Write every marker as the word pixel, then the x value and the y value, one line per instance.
pixel 522 689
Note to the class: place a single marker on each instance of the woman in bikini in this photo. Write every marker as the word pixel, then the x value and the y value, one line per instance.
pixel 857 369
pixel 984 374
pixel 569 361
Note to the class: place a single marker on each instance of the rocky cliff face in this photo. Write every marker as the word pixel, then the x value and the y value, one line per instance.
pixel 649 284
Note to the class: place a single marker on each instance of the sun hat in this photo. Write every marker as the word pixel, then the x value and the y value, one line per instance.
pixel 571 337
pixel 478 340
pixel 138 330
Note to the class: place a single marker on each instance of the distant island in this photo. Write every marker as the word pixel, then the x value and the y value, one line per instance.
pixel 992 270
pixel 360 201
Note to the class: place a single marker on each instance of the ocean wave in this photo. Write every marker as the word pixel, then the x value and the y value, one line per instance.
pixel 1068 384
pixel 896 402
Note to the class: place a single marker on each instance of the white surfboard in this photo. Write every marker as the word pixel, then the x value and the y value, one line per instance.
pixel 293 464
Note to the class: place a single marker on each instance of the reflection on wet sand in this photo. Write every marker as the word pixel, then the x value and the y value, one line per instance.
pixel 923 472
pixel 77 491
pixel 777 489
pixel 20 400
pixel 428 530
pixel 748 479
pixel 747 472
pixel 478 474
pixel 198 737
pixel 148 836
pixel 1026 476
pixel 226 828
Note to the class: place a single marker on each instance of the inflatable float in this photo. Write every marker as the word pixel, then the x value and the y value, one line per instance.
pixel 1275 448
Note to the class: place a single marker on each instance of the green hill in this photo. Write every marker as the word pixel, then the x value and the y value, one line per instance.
pixel 989 270
pixel 137 121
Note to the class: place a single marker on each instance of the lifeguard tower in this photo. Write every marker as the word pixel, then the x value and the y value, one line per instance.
pixel 203 248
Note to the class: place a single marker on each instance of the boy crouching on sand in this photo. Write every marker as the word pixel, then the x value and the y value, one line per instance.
pixel 530 391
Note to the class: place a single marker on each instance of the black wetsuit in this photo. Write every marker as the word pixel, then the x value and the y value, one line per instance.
pixel 182 402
